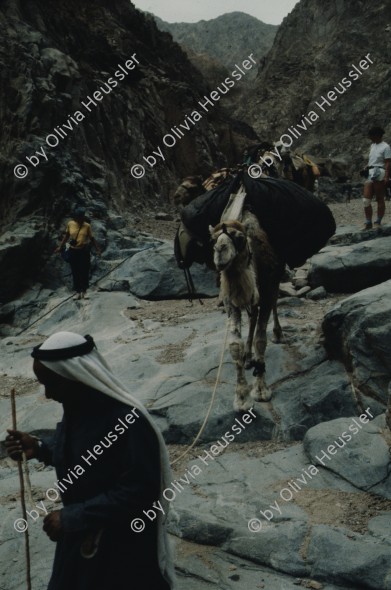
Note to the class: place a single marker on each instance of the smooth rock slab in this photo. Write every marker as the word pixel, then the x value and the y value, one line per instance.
pixel 380 527
pixel 277 545
pixel 12 548
pixel 355 451
pixel 347 269
pixel 209 568
pixel 182 399
pixel 215 508
pixel 173 368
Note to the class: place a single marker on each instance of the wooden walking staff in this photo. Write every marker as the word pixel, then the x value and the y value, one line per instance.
pixel 22 496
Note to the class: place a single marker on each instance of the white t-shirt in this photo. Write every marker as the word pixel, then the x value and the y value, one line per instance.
pixel 378 153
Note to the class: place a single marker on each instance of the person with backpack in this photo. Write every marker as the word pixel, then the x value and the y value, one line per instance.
pixel 78 237
pixel 378 177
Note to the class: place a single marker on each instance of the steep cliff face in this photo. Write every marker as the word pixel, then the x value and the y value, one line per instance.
pixel 100 108
pixel 73 145
pixel 315 49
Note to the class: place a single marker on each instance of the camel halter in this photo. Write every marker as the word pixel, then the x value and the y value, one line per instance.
pixel 237 244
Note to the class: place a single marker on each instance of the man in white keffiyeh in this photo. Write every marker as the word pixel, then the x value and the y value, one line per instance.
pixel 111 463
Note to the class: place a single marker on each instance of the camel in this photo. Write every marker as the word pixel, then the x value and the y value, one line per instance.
pixel 250 274
pixel 192 187
pixel 187 191
pixel 300 169
pixel 280 224
pixel 295 167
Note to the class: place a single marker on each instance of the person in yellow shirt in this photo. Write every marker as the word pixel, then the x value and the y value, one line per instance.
pixel 79 236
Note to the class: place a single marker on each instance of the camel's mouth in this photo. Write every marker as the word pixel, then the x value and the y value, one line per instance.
pixel 221 266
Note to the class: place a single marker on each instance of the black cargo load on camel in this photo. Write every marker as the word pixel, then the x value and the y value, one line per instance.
pixel 298 223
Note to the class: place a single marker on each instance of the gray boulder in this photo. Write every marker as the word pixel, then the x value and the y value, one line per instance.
pixel 358 331
pixel 317 294
pixel 321 394
pixel 153 274
pixel 338 556
pixel 347 269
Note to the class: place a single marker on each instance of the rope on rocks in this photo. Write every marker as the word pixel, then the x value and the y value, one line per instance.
pixel 201 430
pixel 22 495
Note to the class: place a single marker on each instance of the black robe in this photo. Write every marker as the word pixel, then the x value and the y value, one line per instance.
pixel 123 480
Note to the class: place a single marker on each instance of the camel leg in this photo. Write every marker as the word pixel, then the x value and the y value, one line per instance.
pixel 277 330
pixel 268 302
pixel 252 316
pixel 274 287
pixel 260 391
pixel 236 346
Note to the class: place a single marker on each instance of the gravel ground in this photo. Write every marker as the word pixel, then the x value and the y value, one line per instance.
pixel 353 213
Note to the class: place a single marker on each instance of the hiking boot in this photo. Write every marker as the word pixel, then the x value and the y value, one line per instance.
pixel 368 225
pixel 84 295
pixel 377 224
pixel 77 297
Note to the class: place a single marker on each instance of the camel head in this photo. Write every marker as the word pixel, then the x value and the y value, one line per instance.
pixel 229 240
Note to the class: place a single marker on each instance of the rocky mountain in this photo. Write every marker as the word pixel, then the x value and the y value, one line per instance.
pixel 88 93
pixel 319 56
pixel 225 39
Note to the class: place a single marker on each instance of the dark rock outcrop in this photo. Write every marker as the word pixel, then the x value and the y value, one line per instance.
pixel 21 250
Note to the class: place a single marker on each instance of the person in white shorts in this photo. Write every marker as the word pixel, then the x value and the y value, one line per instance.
pixel 378 176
